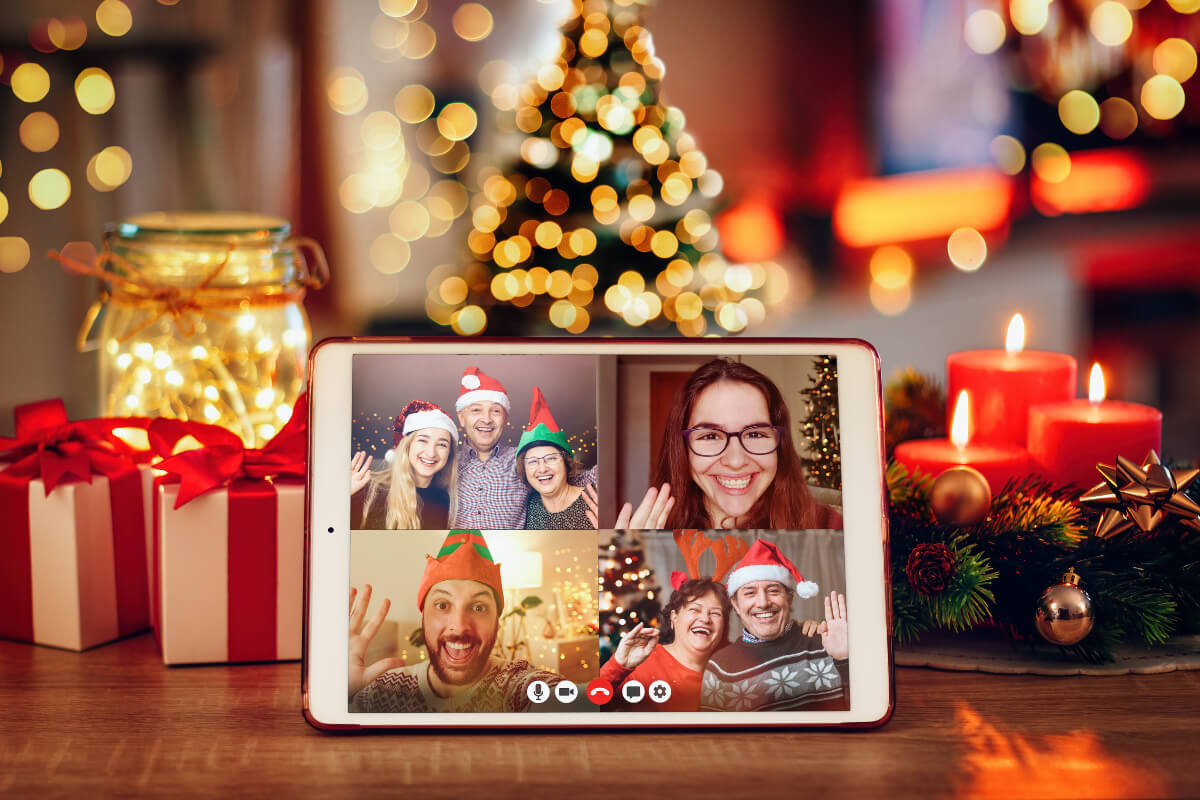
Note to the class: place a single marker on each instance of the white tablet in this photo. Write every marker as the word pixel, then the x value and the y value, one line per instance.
pixel 596 533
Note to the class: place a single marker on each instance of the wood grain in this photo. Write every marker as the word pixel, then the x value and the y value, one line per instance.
pixel 114 720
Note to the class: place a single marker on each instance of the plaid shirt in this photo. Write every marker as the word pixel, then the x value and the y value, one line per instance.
pixel 490 495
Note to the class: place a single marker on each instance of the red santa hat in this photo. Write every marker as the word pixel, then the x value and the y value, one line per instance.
pixel 421 414
pixel 764 562
pixel 476 386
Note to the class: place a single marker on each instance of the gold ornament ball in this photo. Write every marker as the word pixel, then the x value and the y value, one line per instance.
pixel 960 496
pixel 1064 612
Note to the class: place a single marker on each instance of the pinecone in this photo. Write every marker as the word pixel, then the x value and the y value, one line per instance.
pixel 930 568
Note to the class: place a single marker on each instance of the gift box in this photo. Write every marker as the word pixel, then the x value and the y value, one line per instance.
pixel 74 530
pixel 228 544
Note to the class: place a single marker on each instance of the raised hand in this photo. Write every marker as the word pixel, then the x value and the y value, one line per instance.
pixel 636 646
pixel 593 504
pixel 651 513
pixel 834 636
pixel 361 635
pixel 360 471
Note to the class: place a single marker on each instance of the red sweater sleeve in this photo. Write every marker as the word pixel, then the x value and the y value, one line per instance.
pixel 614 673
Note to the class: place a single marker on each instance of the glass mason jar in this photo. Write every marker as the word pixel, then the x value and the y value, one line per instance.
pixel 202 319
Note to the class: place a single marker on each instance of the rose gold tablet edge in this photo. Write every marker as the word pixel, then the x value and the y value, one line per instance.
pixel 864 725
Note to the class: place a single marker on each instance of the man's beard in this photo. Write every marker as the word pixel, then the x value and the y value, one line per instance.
pixel 461 674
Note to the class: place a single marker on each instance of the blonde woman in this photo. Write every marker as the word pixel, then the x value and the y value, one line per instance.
pixel 419 490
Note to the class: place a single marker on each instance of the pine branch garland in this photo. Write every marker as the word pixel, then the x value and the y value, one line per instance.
pixel 1144 587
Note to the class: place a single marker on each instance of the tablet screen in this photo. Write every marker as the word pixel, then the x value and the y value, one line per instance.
pixel 637 533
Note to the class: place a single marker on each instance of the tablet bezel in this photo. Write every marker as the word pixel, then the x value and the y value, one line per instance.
pixel 327 534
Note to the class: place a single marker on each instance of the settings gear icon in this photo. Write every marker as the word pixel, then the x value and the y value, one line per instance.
pixel 660 691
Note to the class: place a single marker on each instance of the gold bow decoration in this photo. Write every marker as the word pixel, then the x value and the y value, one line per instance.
pixel 1142 496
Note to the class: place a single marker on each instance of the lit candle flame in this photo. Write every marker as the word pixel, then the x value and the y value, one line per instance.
pixel 1014 340
pixel 960 427
pixel 1096 384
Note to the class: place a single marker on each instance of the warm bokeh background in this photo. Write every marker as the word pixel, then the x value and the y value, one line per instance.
pixel 851 140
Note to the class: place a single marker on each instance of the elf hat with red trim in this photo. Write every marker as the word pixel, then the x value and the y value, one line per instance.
pixel 464 557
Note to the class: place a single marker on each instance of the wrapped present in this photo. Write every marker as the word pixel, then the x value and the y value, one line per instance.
pixel 73 529
pixel 228 543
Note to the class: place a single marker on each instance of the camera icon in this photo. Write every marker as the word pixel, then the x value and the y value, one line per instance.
pixel 566 692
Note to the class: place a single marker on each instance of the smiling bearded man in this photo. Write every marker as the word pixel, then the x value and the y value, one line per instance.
pixel 460 600
pixel 775 666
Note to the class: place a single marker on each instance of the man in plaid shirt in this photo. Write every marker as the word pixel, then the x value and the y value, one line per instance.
pixel 490 495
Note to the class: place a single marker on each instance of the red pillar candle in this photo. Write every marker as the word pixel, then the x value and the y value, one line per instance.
pixel 998 462
pixel 1005 383
pixel 1067 440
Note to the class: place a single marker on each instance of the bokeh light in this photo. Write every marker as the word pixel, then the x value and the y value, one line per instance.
pixel 1029 16
pixel 1175 57
pixel 414 104
pixel 891 267
pixel 1079 112
pixel 49 189
pixel 1162 97
pixel 397 8
pixel 389 253
pixel 14 253
pixel 346 90
pixel 1009 154
pixel 469 321
pixel 67 34
pixel 380 130
pixel 421 40
pixel 39 132
pixel 3 207
pixel 1185 6
pixel 94 90
pixel 457 121
pixel 1111 23
pixel 109 168
pixel 114 18
pixel 1118 118
pixel 984 31
pixel 967 249
pixel 472 22
pixel 30 82
pixel 1051 162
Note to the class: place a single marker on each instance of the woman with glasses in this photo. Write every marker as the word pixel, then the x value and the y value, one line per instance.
pixel 727 460
pixel 546 464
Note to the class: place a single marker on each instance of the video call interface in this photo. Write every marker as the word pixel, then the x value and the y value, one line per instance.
pixel 596 533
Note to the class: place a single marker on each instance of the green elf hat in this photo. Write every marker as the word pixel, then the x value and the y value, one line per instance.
pixel 464 557
pixel 542 429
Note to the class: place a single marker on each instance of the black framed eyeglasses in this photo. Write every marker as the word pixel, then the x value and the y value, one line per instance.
pixel 759 440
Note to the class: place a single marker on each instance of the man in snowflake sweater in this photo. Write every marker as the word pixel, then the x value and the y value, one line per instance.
pixel 775 666
pixel 460 599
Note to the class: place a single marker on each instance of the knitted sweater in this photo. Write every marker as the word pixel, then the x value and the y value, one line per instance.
pixel 502 687
pixel 791 673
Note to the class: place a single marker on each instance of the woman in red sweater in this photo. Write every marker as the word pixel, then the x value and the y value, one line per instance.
pixel 695 624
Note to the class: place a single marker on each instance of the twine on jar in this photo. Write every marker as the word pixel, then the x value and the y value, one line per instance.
pixel 130 285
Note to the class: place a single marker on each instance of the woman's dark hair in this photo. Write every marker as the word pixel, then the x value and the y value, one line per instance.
pixel 573 465
pixel 690 590
pixel 785 504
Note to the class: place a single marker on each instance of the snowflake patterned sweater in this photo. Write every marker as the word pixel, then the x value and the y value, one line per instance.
pixel 791 673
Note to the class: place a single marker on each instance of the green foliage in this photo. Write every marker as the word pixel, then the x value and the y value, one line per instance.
pixel 1144 587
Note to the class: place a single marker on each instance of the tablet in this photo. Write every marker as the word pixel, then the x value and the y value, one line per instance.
pixel 596 533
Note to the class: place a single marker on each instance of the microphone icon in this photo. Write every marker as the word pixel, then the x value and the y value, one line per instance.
pixel 538 691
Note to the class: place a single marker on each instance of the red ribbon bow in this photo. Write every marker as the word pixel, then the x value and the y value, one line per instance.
pixel 50 447
pixel 224 457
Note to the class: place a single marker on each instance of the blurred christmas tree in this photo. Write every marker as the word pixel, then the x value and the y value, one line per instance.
pixel 604 213
pixel 628 592
pixel 823 461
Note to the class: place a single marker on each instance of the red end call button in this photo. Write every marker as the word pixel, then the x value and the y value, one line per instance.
pixel 599 691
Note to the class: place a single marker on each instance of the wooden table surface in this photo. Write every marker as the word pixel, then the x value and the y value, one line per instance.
pixel 115 721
